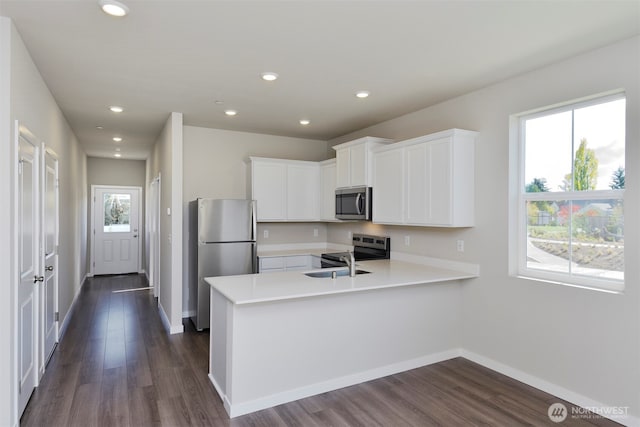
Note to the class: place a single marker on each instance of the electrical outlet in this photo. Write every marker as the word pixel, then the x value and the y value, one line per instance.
pixel 407 240
pixel 315 232
pixel 265 234
pixel 460 245
pixel 350 235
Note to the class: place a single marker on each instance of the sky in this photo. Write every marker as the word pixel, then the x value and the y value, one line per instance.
pixel 549 146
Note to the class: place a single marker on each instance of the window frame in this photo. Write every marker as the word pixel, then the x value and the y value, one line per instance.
pixel 518 196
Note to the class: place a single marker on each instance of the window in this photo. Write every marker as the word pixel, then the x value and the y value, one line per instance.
pixel 570 187
pixel 116 213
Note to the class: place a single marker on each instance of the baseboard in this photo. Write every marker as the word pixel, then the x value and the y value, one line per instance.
pixel 333 384
pixel 548 387
pixel 187 314
pixel 172 329
pixel 67 318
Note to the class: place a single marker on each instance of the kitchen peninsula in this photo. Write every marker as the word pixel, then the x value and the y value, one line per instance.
pixel 284 336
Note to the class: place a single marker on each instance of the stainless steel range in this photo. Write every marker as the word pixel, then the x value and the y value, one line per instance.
pixel 365 248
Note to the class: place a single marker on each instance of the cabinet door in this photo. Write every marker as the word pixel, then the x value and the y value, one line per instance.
pixel 343 168
pixel 418 187
pixel 358 165
pixel 269 190
pixel 328 192
pixel 439 180
pixel 271 264
pixel 388 187
pixel 297 262
pixel 303 183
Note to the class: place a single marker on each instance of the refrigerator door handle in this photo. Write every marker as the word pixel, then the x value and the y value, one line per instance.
pixel 254 231
pixel 254 259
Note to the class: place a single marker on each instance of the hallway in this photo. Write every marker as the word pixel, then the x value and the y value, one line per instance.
pixel 116 366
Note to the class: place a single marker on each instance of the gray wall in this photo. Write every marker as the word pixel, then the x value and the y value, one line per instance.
pixel 585 342
pixel 166 160
pixel 101 171
pixel 215 166
pixel 26 98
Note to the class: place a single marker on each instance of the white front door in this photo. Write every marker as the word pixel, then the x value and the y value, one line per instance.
pixel 28 268
pixel 49 288
pixel 116 234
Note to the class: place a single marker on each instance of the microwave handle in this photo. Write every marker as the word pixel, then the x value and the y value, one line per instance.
pixel 358 203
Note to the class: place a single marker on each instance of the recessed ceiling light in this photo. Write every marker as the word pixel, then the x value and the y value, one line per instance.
pixel 117 139
pixel 305 122
pixel 113 8
pixel 99 127
pixel 218 102
pixel 117 155
pixel 231 112
pixel 269 76
pixel 117 148
pixel 362 94
pixel 116 109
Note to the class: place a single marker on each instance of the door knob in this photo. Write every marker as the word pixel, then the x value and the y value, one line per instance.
pixel 49 268
pixel 37 279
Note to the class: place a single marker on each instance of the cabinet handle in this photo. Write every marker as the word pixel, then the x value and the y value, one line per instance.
pixel 49 268
pixel 37 279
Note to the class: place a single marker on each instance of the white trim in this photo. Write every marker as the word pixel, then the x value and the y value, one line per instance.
pixel 186 314
pixel 546 386
pixel 597 280
pixel 334 384
pixel 167 325
pixel 92 236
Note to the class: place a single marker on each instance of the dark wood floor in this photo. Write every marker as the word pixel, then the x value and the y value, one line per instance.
pixel 116 366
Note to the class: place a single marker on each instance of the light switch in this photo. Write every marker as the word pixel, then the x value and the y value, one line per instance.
pixel 168 211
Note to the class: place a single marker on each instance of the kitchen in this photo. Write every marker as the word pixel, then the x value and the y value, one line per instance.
pixel 533 331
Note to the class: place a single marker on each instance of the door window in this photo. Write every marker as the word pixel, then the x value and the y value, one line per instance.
pixel 117 209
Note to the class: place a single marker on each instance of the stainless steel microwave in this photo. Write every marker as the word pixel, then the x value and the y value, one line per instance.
pixel 353 203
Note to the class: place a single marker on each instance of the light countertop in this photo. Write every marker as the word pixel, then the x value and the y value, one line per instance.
pixel 258 288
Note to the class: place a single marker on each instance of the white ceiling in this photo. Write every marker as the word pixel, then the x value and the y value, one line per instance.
pixel 183 55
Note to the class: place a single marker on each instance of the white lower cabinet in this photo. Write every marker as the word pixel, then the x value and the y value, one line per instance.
pixel 426 181
pixel 272 264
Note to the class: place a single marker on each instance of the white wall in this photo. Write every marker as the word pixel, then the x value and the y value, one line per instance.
pixel 215 166
pixel 25 97
pixel 166 158
pixel 102 171
pixel 582 343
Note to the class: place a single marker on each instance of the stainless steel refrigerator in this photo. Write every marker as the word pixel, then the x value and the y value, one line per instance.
pixel 222 238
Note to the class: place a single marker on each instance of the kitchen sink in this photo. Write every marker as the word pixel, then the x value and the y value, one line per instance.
pixel 327 274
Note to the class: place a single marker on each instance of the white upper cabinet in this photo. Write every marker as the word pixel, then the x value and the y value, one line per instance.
pixel 354 161
pixel 328 190
pixel 427 181
pixel 285 190
pixel 388 182
pixel 269 188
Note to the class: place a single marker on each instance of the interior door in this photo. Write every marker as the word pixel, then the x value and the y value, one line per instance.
pixel 116 224
pixel 49 288
pixel 28 250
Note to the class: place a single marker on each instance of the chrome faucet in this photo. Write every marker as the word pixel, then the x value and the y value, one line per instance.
pixel 351 263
